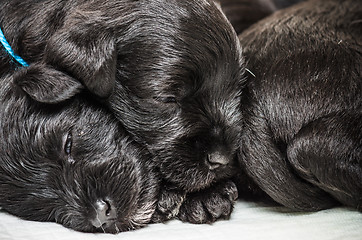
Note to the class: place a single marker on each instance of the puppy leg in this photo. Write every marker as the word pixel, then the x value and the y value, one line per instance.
pixel 265 161
pixel 210 204
pixel 328 153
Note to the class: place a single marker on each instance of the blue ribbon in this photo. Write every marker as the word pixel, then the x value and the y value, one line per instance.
pixel 10 50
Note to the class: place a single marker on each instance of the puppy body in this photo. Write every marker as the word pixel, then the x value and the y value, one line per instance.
pixel 171 71
pixel 70 162
pixel 244 13
pixel 302 136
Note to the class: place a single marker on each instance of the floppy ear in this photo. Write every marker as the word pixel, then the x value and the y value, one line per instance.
pixel 46 84
pixel 87 54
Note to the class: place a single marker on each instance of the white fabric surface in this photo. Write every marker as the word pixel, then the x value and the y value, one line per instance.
pixel 249 221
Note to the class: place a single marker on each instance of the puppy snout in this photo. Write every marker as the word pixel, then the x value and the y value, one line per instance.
pixel 216 160
pixel 105 214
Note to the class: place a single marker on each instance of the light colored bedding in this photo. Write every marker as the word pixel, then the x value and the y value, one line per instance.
pixel 249 221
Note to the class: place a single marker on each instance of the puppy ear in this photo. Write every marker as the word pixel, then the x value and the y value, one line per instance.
pixel 88 55
pixel 45 84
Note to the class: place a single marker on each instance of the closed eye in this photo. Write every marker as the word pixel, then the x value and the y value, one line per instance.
pixel 166 99
pixel 68 144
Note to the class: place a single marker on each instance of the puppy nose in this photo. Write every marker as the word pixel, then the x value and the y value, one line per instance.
pixel 216 160
pixel 105 214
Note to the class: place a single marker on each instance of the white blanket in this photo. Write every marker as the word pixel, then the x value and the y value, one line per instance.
pixel 249 221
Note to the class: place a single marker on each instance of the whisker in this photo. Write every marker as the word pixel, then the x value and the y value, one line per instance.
pixel 251 73
pixel 117 229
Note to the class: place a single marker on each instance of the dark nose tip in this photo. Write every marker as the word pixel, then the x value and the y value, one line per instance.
pixel 105 214
pixel 216 160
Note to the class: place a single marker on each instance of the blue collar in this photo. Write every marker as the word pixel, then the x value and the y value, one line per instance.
pixel 10 50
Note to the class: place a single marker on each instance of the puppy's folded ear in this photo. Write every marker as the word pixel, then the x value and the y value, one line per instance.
pixel 46 84
pixel 88 55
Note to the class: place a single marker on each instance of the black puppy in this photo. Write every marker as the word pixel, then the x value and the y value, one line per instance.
pixel 244 13
pixel 170 70
pixel 70 161
pixel 302 130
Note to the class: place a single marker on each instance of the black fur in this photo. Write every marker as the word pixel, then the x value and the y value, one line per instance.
pixel 70 162
pixel 244 13
pixel 302 132
pixel 170 70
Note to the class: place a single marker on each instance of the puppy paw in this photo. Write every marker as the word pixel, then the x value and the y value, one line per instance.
pixel 168 205
pixel 209 205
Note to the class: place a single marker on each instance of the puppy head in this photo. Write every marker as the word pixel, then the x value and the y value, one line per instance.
pixel 71 163
pixel 178 83
pixel 170 70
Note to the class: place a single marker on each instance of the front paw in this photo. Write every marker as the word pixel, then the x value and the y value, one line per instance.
pixel 168 205
pixel 210 204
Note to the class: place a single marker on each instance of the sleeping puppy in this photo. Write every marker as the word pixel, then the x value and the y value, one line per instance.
pixel 70 162
pixel 244 13
pixel 170 70
pixel 302 129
